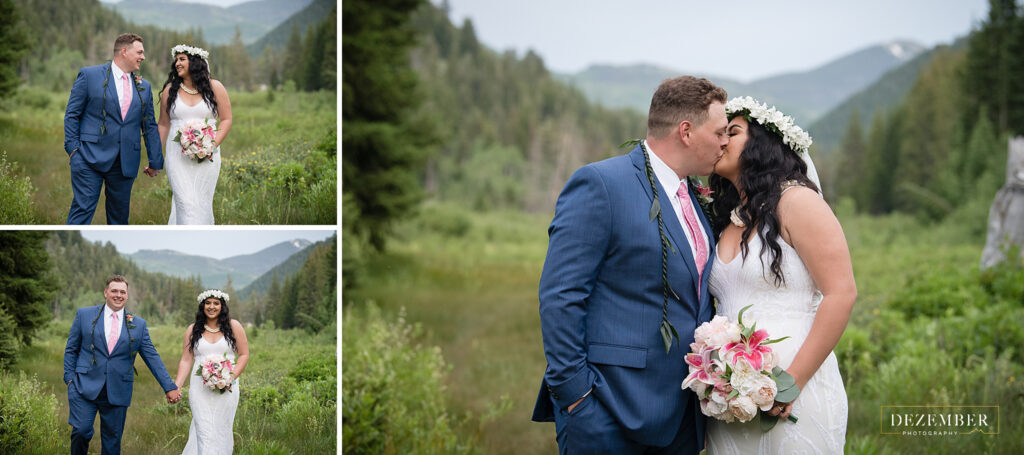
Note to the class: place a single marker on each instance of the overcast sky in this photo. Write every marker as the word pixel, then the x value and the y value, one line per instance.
pixel 743 40
pixel 224 3
pixel 217 244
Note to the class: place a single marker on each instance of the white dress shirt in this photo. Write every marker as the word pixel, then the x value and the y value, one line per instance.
pixel 670 182
pixel 115 75
pixel 106 319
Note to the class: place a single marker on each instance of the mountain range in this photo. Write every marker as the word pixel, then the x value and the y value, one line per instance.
pixel 806 95
pixel 242 269
pixel 289 267
pixel 884 93
pixel 254 18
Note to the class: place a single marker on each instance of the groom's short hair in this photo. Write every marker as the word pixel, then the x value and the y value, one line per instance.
pixel 125 39
pixel 681 98
pixel 118 278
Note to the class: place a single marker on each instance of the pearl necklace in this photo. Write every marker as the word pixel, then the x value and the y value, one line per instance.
pixel 208 329
pixel 188 90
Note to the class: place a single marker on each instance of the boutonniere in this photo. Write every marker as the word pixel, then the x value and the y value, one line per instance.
pixel 138 80
pixel 703 193
pixel 128 317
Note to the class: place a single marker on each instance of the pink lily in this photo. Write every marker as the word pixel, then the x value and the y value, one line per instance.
pixel 702 368
pixel 749 349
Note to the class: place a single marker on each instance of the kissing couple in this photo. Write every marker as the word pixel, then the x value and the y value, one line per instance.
pixel 99 370
pixel 639 253
pixel 109 112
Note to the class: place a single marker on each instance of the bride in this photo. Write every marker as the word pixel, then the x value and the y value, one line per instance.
pixel 781 249
pixel 190 94
pixel 213 335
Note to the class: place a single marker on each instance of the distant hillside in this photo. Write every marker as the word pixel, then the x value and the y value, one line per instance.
pixel 630 86
pixel 313 13
pixel 884 94
pixel 266 259
pixel 218 23
pixel 212 272
pixel 283 270
pixel 805 95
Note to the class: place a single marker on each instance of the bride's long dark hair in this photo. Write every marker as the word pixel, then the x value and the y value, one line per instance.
pixel 765 163
pixel 224 319
pixel 200 74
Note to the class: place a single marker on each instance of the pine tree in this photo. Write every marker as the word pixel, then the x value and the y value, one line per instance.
pixel 25 290
pixel 293 57
pixel 851 177
pixel 273 301
pixel 13 44
pixel 994 64
pixel 383 152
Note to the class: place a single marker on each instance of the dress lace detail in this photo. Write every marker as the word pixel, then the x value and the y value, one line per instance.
pixel 787 310
pixel 213 413
pixel 192 183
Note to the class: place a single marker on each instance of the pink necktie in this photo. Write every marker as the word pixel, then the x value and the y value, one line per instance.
pixel 126 98
pixel 114 332
pixel 690 217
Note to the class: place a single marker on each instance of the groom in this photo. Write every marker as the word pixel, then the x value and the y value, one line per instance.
pixel 98 368
pixel 609 385
pixel 109 110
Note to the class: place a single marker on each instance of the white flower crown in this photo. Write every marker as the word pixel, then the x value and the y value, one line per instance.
pixel 773 120
pixel 186 49
pixel 213 293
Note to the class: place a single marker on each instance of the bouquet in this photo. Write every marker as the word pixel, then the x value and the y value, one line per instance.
pixel 735 373
pixel 216 373
pixel 197 139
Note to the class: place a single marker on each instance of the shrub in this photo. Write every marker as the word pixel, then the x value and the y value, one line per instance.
pixel 15 195
pixel 393 395
pixel 444 219
pixel 8 339
pixel 28 417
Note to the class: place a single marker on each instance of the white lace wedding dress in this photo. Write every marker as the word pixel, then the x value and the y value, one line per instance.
pixel 213 413
pixel 192 182
pixel 788 310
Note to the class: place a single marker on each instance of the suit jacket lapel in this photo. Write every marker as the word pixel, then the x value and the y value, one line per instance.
pixel 136 96
pixel 113 104
pixel 123 337
pixel 98 332
pixel 668 216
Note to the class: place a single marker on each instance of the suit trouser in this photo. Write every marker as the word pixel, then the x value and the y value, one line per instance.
pixel 83 414
pixel 590 429
pixel 86 184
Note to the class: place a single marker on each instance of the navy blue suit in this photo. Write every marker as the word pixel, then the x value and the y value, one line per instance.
pixel 109 156
pixel 102 382
pixel 601 308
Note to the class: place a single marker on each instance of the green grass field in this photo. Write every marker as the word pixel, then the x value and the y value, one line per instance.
pixel 287 406
pixel 474 291
pixel 280 160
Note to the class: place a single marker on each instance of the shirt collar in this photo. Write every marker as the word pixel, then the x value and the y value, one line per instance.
pixel 666 176
pixel 116 70
pixel 107 311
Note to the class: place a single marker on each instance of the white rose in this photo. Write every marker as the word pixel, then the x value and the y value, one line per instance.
pixel 699 388
pixel 715 405
pixel 718 332
pixel 764 395
pixel 743 408
pixel 744 377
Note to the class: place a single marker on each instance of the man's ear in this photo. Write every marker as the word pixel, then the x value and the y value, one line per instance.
pixel 683 130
